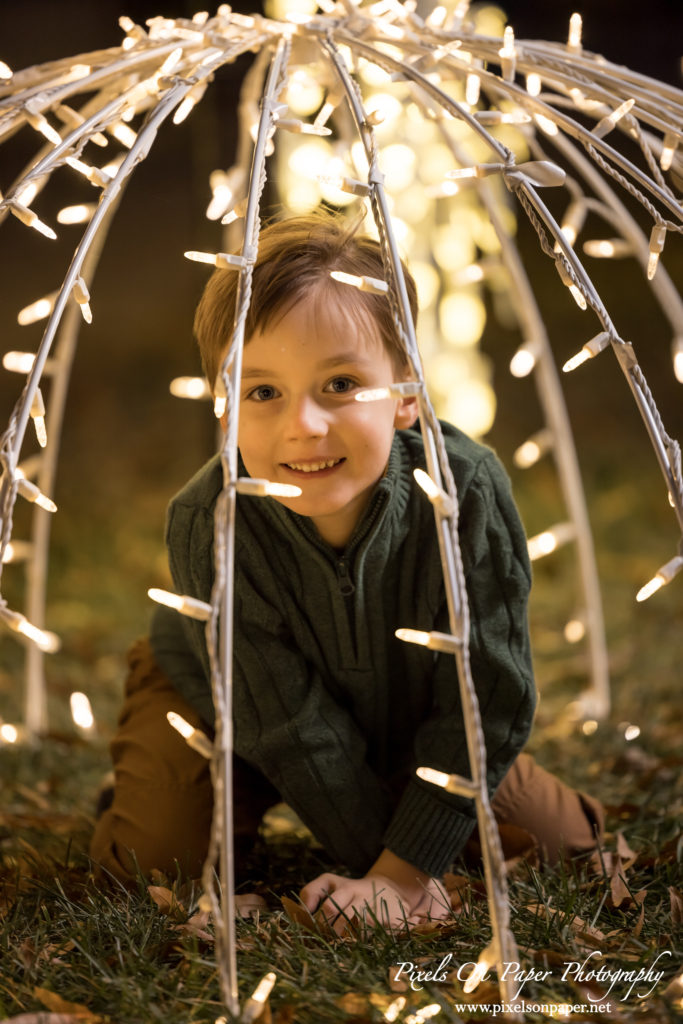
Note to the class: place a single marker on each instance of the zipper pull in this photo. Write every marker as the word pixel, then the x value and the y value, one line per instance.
pixel 345 582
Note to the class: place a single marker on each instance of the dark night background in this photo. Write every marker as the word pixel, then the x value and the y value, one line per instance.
pixel 127 445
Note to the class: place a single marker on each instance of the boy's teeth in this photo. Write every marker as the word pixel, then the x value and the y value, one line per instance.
pixel 313 467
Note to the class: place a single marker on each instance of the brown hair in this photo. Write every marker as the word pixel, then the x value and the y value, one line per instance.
pixel 295 257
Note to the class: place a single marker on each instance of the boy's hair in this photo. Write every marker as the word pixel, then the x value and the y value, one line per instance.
pixel 294 259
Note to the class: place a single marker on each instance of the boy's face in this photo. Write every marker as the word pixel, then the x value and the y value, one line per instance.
pixel 299 421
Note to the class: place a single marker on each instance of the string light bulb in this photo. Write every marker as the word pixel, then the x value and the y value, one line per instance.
pixel 222 260
pixel 591 349
pixel 32 493
pixel 575 29
pixel 394 1008
pixel 76 214
pixel 17 551
pixel 607 248
pixel 545 543
pixel 524 359
pixel 195 738
pixel 479 971
pixel 266 488
pixel 190 606
pixel 31 219
pixel 401 389
pixel 610 121
pixel 362 283
pixel 8 733
pixel 533 449
pixel 668 149
pixel 533 83
pixel 190 387
pixel 189 102
pixel 254 1005
pixel 439 498
pixel 677 355
pixel 451 783
pixel 38 416
pixel 663 576
pixel 37 310
pixel 81 711
pixel 508 55
pixel 657 239
pixel 42 638
pixel 435 641
pixel 82 296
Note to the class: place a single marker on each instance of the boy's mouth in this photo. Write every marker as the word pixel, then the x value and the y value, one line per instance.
pixel 319 466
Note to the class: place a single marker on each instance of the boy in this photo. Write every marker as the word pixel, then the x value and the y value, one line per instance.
pixel 331 712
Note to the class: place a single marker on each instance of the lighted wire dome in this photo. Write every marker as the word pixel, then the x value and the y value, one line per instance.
pixel 368 86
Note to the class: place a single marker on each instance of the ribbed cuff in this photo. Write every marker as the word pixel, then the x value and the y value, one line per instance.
pixel 427 829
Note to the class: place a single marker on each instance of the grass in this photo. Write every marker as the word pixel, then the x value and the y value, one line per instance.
pixel 65 939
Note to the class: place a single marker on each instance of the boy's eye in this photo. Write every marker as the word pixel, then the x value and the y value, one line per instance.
pixel 263 393
pixel 340 385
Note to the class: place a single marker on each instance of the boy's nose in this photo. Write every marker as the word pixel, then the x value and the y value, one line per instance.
pixel 306 418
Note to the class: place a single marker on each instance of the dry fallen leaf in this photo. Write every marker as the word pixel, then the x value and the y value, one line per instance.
pixel 676 898
pixel 76 1011
pixel 397 984
pixel 618 888
pixel 196 926
pixel 166 901
pixel 624 851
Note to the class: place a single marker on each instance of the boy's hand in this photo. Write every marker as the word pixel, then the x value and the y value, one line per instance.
pixel 374 900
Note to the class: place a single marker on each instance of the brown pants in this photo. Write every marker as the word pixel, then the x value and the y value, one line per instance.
pixel 163 797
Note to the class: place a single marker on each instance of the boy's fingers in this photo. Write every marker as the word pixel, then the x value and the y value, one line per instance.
pixel 314 891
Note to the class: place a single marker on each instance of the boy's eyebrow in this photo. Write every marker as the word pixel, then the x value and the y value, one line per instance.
pixel 342 359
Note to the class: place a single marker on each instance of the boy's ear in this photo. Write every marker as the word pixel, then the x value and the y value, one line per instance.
pixel 406 413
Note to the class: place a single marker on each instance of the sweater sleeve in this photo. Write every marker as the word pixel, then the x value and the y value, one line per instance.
pixel 430 826
pixel 303 739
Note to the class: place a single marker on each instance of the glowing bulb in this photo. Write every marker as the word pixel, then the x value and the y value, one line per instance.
pixel 531 451
pixel 253 1007
pixel 533 84
pixel 606 124
pixel 31 219
pixel 125 135
pixel 37 310
pixel 346 184
pixel 392 1011
pixel 472 89
pixel 25 194
pixel 434 640
pixel 81 711
pixel 436 778
pixel 546 124
pixel 589 727
pixel 221 195
pixel 263 488
pixel 82 297
pixel 42 125
pixel 402 389
pixel 607 248
pixel 678 358
pixel 631 732
pixel 477 975
pixel 575 26
pixel 544 543
pixel 190 387
pixel 194 738
pixel 32 493
pixel 222 260
pixel 17 551
pixel 574 631
pixel 663 576
pixel 77 214
pixel 364 284
pixel 8 733
pixel 18 362
pixel 5 70
pixel 190 606
pixel 668 149
pixel 38 416
pixel 590 349
pixel 657 239
pixel 523 361
pixel 46 641
pixel 508 54
pixel 439 498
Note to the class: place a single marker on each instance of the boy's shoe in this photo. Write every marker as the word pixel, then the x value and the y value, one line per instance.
pixel 105 795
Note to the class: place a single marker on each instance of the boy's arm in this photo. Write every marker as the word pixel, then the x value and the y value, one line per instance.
pixel 429 826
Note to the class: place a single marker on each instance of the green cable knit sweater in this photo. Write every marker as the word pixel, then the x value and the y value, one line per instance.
pixel 332 708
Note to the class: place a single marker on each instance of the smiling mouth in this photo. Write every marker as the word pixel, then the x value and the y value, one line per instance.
pixel 313 467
